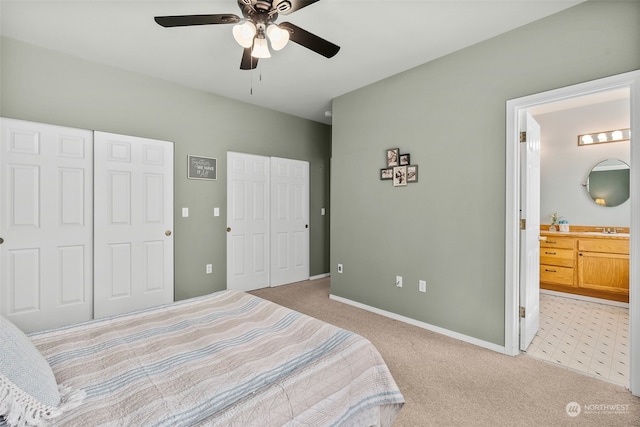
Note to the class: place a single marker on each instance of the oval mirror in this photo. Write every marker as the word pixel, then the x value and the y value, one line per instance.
pixel 608 183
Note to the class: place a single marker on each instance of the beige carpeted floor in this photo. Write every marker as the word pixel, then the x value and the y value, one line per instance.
pixel 447 382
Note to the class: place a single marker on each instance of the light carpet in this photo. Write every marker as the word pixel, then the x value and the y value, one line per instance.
pixel 447 382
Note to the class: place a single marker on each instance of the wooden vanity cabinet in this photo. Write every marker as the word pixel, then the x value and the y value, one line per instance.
pixel 557 260
pixel 585 265
pixel 604 265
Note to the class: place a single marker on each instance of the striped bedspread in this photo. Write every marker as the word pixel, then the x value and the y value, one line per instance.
pixel 226 359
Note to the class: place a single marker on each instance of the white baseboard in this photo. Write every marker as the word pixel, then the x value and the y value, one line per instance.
pixel 471 340
pixel 319 276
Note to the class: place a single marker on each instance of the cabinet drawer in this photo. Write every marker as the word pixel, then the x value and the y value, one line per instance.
pixel 558 242
pixel 559 257
pixel 612 246
pixel 555 274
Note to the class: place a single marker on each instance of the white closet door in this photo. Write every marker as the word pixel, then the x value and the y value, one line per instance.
pixel 289 221
pixel 247 221
pixel 46 225
pixel 133 221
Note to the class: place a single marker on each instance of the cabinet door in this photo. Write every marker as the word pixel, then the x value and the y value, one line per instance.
pixel 46 222
pixel 604 271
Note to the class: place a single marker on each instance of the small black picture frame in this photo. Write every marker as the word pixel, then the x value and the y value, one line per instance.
pixel 393 157
pixel 386 173
pixel 405 159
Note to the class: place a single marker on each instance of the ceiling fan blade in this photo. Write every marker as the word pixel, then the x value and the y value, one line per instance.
pixel 248 62
pixel 286 7
pixel 187 20
pixel 310 41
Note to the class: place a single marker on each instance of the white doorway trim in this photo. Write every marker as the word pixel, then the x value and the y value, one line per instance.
pixel 629 80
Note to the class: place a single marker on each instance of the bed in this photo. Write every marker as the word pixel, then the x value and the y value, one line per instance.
pixel 225 359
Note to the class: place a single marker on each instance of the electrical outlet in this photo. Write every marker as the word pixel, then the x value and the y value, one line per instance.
pixel 209 268
pixel 399 281
pixel 340 268
pixel 422 286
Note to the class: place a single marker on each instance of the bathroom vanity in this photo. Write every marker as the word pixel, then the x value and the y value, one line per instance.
pixel 586 262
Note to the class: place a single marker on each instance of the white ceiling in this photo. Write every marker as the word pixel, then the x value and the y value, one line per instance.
pixel 378 38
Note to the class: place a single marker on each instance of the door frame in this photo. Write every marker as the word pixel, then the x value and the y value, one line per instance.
pixel 630 80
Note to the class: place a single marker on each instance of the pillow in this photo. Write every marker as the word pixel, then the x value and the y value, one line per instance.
pixel 29 393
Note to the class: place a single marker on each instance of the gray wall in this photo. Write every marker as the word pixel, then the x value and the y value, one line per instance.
pixel 564 166
pixel 450 115
pixel 45 86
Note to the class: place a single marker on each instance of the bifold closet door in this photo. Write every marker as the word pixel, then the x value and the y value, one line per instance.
pixel 247 221
pixel 289 221
pixel 267 221
pixel 133 223
pixel 46 255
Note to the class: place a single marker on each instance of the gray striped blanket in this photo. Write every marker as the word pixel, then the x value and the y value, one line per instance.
pixel 225 359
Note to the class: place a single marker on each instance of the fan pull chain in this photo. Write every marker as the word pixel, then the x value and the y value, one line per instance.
pixel 251 86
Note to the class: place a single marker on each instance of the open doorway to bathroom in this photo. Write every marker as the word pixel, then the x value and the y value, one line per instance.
pixel 630 82
pixel 580 332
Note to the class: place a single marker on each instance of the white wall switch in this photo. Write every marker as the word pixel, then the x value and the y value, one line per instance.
pixel 422 286
pixel 209 268
pixel 216 211
pixel 322 211
pixel 399 281
pixel 185 212
pixel 340 268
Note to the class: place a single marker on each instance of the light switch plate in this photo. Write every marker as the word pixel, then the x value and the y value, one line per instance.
pixel 185 212
pixel 216 211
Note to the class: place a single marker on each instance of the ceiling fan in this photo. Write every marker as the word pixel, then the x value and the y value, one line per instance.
pixel 257 26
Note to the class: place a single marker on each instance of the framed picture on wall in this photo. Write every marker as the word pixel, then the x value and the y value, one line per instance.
pixel 202 168
pixel 386 173
pixel 405 159
pixel 412 173
pixel 399 176
pixel 393 157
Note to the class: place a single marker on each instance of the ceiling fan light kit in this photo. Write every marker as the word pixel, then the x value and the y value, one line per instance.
pixel 260 48
pixel 258 25
pixel 244 33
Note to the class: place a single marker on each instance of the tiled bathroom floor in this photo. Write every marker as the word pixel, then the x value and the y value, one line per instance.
pixel 584 336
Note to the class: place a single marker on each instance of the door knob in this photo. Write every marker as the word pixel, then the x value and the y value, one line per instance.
pixel 167 233
pixel 1 240
pixel 306 226
pixel 228 229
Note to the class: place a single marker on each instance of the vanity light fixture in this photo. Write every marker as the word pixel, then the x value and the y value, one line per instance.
pixel 601 137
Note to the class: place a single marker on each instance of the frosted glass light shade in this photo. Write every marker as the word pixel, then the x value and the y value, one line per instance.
pixel 244 33
pixel 260 49
pixel 278 37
